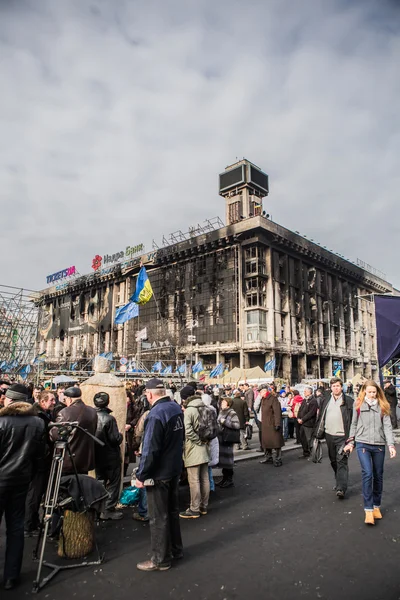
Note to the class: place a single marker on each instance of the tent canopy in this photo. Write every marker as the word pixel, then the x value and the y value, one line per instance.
pixel 237 374
pixel 64 379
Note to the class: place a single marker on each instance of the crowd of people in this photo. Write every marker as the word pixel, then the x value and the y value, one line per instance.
pixel 181 435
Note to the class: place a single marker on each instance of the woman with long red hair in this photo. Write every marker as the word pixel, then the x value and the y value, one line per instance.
pixel 370 432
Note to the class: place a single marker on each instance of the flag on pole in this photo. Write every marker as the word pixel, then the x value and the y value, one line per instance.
pixel 144 291
pixel 156 367
pixel 270 365
pixel 167 370
pixel 141 335
pixel 107 355
pixel 125 313
pixel 197 367
pixel 217 371
pixel 181 369
pixel 25 371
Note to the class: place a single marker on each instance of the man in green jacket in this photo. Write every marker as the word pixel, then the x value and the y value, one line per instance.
pixel 196 456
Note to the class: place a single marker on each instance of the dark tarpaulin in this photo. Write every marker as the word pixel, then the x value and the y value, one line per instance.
pixel 387 310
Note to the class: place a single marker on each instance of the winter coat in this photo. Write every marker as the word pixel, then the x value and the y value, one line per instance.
pixel 196 452
pixel 139 431
pixel 226 418
pixel 81 445
pixel 391 396
pixel 294 405
pixel 370 427
pixel 271 413
pixel 22 444
pixel 45 464
pixel 134 411
pixel 346 408
pixel 162 442
pixel 107 432
pixel 249 398
pixel 308 411
pixel 241 409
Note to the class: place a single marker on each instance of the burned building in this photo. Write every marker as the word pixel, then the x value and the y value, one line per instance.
pixel 243 294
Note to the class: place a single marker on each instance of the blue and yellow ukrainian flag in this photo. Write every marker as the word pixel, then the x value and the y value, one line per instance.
pixel 144 291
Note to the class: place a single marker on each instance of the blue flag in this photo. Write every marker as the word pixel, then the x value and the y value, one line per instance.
pixel 156 367
pixel 167 370
pixel 125 313
pixel 217 371
pixel 181 369
pixel 270 365
pixel 198 367
pixel 24 371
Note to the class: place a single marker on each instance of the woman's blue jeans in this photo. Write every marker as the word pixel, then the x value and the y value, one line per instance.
pixel 371 459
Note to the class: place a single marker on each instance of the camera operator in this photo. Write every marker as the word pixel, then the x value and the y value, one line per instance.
pixel 22 445
pixel 39 483
pixel 108 457
pixel 81 445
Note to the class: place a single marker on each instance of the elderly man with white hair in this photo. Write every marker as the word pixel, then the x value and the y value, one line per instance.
pixel 306 418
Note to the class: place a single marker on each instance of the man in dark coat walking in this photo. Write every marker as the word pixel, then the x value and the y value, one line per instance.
pixel 271 427
pixel 306 418
pixel 81 445
pixel 22 447
pixel 108 458
pixel 391 397
pixel 240 407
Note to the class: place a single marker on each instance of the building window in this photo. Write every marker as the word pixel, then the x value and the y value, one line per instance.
pixel 256 317
pixel 234 212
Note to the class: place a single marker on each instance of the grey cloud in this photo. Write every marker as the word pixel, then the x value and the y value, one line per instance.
pixel 117 117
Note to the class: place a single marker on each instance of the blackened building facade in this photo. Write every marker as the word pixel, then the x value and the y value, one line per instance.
pixel 243 294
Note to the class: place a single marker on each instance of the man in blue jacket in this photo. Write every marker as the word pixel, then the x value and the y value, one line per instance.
pixel 159 470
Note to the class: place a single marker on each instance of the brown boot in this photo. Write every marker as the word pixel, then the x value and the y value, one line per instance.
pixel 369 517
pixel 377 513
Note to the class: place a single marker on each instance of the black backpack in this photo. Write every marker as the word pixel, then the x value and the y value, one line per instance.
pixel 208 428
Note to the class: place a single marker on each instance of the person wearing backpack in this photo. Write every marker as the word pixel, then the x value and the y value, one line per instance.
pixel 196 455
pixel 370 431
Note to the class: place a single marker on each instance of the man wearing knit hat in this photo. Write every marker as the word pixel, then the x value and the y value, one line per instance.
pixel 22 446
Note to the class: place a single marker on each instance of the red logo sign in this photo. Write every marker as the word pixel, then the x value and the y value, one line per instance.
pixel 96 264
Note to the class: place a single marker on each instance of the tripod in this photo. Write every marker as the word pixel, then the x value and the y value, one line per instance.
pixel 51 503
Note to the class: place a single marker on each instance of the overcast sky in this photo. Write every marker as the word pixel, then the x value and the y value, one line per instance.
pixel 116 117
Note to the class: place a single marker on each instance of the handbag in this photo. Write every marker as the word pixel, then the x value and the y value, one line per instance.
pixel 248 434
pixel 230 436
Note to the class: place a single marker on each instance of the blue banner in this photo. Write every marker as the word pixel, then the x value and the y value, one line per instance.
pixel 217 371
pixel 198 367
pixel 125 313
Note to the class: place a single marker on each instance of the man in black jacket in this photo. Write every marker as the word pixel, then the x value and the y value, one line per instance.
pixel 81 445
pixel 38 484
pixel 108 457
pixel 160 468
pixel 22 445
pixel 334 421
pixel 391 397
pixel 306 418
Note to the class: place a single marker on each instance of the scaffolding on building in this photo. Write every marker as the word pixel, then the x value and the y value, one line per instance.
pixel 19 314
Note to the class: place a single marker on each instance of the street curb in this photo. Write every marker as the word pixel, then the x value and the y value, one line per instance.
pixel 250 455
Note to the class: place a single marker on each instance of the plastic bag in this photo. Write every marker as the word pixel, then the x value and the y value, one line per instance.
pixel 129 496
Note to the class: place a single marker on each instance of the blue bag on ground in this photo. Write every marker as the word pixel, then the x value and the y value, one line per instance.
pixel 129 496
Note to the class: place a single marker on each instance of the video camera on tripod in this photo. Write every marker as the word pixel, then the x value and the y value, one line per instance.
pixel 65 431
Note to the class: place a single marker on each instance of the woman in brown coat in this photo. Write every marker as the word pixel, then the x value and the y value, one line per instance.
pixel 271 427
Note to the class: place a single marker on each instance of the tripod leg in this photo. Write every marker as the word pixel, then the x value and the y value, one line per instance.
pixel 50 504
